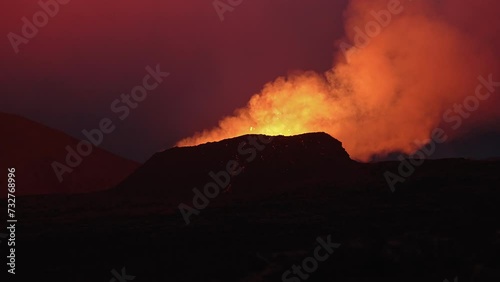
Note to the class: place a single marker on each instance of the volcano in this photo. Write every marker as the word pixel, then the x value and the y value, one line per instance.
pixel 263 168
pixel 289 194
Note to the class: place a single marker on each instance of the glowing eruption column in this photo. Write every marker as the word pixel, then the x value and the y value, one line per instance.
pixel 388 97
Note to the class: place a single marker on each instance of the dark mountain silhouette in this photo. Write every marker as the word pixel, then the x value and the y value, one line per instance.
pixel 283 163
pixel 31 148
pixel 442 221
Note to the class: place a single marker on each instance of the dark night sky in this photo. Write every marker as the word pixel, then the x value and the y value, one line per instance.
pixel 92 51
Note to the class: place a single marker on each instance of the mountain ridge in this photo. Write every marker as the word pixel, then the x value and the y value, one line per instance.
pixel 284 156
pixel 32 147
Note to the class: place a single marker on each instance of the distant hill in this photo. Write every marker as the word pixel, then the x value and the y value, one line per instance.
pixel 31 147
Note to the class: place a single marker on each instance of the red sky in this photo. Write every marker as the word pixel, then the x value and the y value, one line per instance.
pixel 92 51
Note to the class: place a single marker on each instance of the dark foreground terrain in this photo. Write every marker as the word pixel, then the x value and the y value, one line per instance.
pixel 441 223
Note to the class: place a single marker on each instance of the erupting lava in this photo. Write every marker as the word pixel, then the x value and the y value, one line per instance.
pixel 390 94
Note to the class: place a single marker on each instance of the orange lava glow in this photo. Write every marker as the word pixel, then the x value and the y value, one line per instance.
pixel 387 97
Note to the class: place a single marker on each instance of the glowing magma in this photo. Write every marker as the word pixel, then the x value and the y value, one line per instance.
pixel 387 97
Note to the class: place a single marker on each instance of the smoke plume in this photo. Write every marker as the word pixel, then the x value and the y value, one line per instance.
pixel 399 69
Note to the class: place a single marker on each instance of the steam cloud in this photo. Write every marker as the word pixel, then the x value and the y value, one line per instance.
pixel 392 91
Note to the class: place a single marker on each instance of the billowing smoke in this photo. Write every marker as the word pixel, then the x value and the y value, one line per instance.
pixel 403 69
